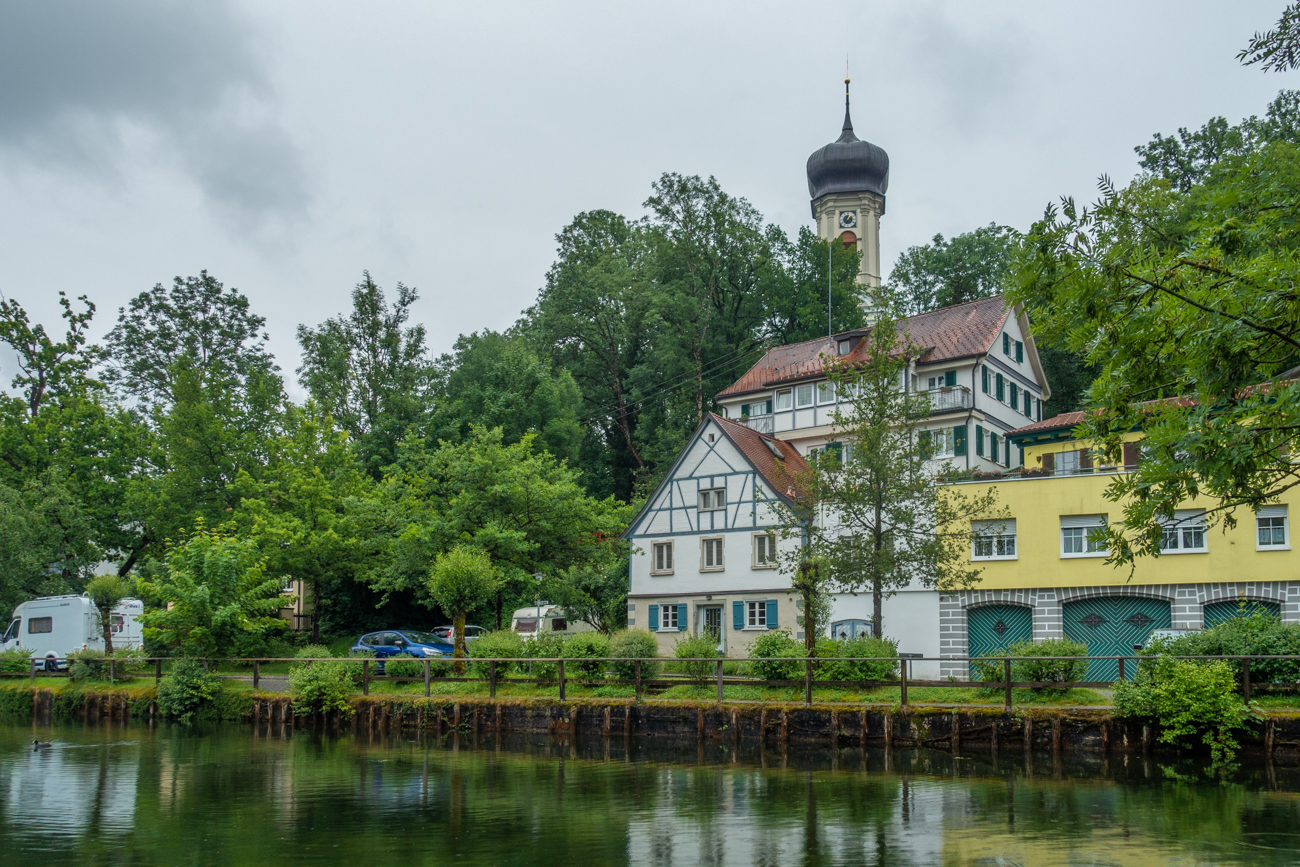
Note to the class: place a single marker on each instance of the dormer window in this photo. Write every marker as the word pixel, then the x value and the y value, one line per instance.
pixel 845 346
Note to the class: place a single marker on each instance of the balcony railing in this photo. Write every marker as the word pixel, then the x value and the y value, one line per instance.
pixel 761 423
pixel 950 398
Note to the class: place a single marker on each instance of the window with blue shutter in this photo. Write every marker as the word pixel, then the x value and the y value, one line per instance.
pixel 682 622
pixel 1020 352
pixel 654 618
pixel 979 440
pixel 771 614
pixel 984 375
pixel 1001 388
pixel 738 615
pixel 950 378
pixel 959 440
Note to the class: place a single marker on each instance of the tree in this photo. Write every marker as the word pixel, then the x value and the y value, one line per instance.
pixel 871 509
pixel 461 580
pixel 497 380
pixel 196 326
pixel 521 506
pixel 47 543
pixel 595 592
pixel 49 368
pixel 371 371
pixel 212 596
pixel 105 593
pixel 793 286
pixel 1277 49
pixel 1186 304
pixel 945 272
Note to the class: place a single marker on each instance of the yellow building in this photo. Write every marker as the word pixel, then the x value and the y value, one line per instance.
pixel 1043 579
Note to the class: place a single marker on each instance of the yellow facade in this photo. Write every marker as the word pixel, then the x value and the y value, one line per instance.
pixel 1038 503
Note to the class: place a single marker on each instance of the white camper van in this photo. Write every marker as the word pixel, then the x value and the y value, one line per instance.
pixel 540 619
pixel 51 627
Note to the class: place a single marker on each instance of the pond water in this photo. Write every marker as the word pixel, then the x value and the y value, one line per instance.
pixel 226 795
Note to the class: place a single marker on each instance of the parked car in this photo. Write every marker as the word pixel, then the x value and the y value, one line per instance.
pixel 51 627
pixel 471 632
pixel 394 642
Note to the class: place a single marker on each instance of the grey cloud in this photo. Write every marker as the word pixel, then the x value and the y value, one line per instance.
pixel 77 79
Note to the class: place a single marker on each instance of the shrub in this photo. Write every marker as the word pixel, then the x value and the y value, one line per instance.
pixel 1048 670
pixel 588 650
pixel 93 664
pixel 1188 699
pixel 1256 635
pixel 185 690
pixel 502 644
pixel 634 644
pixel 869 659
pixel 770 654
pixel 319 687
pixel 546 645
pixel 405 665
pixel 688 646
pixel 16 660
pixel 991 669
pixel 313 651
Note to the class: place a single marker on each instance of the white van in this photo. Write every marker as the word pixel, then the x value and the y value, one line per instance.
pixel 51 627
pixel 550 618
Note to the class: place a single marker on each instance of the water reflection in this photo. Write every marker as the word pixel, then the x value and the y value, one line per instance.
pixel 226 796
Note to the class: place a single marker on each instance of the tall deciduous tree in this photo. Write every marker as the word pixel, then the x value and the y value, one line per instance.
pixel 955 270
pixel 371 370
pixel 47 541
pixel 462 579
pixel 794 287
pixel 872 513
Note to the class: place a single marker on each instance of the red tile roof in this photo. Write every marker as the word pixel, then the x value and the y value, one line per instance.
pixel 1068 420
pixel 782 475
pixel 961 331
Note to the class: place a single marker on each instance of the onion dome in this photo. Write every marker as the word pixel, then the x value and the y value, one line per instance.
pixel 848 164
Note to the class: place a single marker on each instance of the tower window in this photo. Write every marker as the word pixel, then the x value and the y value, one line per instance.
pixel 849 240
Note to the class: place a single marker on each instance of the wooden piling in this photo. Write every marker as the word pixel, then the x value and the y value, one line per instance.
pixel 956 732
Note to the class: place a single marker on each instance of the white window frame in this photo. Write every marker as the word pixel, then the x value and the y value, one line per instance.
pixel 933 382
pixel 994 540
pixel 713 500
pixel 1086 523
pixel 705 543
pixel 799 394
pixel 784 400
pixel 825 393
pixel 664 608
pixel 756 614
pixel 845 347
pixel 655 547
pixel 1274 513
pixel 1061 460
pixel 1182 532
pixel 757 561
pixel 758 408
pixel 943 441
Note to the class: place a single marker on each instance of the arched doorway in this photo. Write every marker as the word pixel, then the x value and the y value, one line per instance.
pixel 993 628
pixel 1113 626
pixel 1224 610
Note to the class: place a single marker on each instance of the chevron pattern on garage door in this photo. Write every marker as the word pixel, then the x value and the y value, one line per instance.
pixel 1218 612
pixel 993 627
pixel 1111 626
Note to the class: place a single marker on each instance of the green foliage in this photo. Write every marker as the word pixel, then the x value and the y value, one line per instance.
pixel 94 664
pixel 634 644
pixel 16 701
pixel 461 579
pixel 1258 634
pixel 105 593
pixel 321 687
pixel 214 598
pixel 869 659
pixel 15 660
pixel 704 647
pixel 185 690
pixel 405 665
pixel 1048 670
pixel 501 644
pixel 1191 700
pixel 771 655
pixel 548 645
pixel 945 272
pixel 585 648
pixel 314 651
pixel 42 525
pixel 1277 49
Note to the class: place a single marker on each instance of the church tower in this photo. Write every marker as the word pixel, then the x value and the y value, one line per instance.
pixel 847 180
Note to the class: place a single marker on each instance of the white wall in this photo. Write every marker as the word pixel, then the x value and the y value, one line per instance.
pixel 911 617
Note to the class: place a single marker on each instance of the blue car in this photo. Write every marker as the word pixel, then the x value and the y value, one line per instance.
pixel 396 642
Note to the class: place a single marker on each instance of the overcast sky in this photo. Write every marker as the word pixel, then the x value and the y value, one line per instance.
pixel 287 147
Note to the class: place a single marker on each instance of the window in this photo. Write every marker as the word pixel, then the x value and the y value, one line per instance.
pixel 764 551
pixel 1185 534
pixel 993 447
pixel 803 396
pixel 529 625
pixel 662 562
pixel 825 392
pixel 783 399
pixel 979 440
pixel 1029 405
pixel 984 377
pixel 1068 462
pixel 116 623
pixel 1020 352
pixel 1001 388
pixel 39 625
pixel 993 540
pixel 1271 529
pixel 668 616
pixel 559 624
pixel 755 615
pixel 711 553
pixel 14 630
pixel 932 382
pixel 1039 404
pixel 1006 344
pixel 959 440
pixel 1015 397
pixel 845 346
pixel 1078 536
pixel 941 442
pixel 713 500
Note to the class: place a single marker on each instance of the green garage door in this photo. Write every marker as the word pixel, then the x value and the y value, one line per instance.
pixel 992 627
pixel 1218 612
pixel 1112 626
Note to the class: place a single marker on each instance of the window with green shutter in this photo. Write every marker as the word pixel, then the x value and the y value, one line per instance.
pixel 959 440
pixel 1006 343
pixel 993 448
pixel 1020 352
pixel 979 440
pixel 1001 388
pixel 923 441
pixel 744 410
pixel 1015 397
pixel 950 378
pixel 984 375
